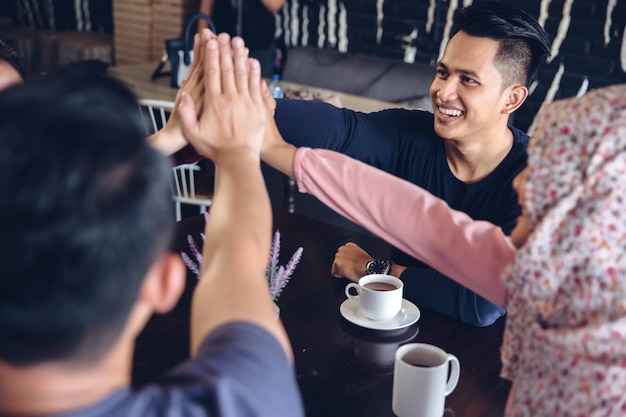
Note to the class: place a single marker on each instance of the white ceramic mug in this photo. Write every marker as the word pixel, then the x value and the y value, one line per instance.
pixel 423 376
pixel 379 296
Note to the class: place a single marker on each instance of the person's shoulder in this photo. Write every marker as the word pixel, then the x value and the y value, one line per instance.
pixel 520 137
pixel 415 114
pixel 240 335
pixel 417 122
pixel 241 358
pixel 516 159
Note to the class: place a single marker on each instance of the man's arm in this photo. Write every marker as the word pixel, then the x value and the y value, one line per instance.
pixel 374 138
pixel 232 284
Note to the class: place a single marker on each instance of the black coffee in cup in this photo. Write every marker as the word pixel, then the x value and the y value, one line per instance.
pixel 423 359
pixel 380 286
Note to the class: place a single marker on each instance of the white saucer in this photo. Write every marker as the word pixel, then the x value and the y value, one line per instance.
pixel 408 315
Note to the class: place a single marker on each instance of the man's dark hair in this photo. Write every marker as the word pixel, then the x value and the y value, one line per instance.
pixel 85 211
pixel 524 44
pixel 8 55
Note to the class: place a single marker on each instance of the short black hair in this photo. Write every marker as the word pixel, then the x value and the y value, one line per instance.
pixel 8 55
pixel 85 211
pixel 524 44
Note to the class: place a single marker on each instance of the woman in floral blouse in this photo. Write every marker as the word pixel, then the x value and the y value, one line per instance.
pixel 565 341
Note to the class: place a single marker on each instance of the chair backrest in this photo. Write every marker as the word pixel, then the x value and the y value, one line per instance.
pixel 184 189
pixel 155 113
pixel 183 181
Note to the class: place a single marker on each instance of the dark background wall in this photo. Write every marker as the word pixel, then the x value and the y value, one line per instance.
pixel 61 15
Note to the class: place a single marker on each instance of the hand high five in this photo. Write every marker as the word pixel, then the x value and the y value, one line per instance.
pixel 233 114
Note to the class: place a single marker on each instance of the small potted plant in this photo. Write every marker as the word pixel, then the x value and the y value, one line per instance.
pixel 277 275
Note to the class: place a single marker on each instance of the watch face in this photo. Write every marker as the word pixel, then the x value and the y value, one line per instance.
pixel 378 266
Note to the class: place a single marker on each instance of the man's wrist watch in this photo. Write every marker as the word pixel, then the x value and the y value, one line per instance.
pixel 378 266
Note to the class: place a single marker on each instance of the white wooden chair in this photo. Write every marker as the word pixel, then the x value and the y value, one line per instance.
pixel 155 113
pixel 184 189
pixel 183 181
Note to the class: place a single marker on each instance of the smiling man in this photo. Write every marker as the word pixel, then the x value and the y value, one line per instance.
pixel 465 153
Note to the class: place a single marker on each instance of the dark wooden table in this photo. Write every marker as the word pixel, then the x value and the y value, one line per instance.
pixel 342 369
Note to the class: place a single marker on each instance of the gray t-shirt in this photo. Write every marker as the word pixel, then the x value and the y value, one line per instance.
pixel 240 370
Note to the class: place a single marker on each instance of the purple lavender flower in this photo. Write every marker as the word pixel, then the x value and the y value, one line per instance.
pixel 277 275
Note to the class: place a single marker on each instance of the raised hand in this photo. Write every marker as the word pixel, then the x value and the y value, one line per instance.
pixel 170 138
pixel 233 114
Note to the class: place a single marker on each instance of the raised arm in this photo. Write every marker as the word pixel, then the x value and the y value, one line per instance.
pixel 230 129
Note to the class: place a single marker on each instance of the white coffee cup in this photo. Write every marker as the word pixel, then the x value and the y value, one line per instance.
pixel 423 376
pixel 379 295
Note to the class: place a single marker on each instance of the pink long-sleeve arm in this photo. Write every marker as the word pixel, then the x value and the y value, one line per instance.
pixel 474 253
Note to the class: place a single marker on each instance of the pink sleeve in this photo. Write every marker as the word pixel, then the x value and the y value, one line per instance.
pixel 474 253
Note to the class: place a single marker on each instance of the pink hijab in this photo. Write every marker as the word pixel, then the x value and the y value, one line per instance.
pixel 565 339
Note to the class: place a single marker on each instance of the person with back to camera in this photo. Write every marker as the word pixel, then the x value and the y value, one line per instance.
pixel 561 274
pixel 466 153
pixel 86 224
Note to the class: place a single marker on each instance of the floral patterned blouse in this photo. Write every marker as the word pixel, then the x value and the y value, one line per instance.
pixel 565 339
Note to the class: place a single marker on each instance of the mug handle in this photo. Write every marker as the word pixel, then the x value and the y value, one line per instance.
pixel 455 370
pixel 352 285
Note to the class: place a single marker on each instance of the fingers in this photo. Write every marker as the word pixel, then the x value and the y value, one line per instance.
pixel 349 262
pixel 199 43
pixel 240 58
pixel 254 80
pixel 336 268
pixel 212 73
pixel 268 99
pixel 194 84
pixel 334 271
pixel 239 73
pixel 199 46
pixel 229 70
pixel 187 115
pixel 226 63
